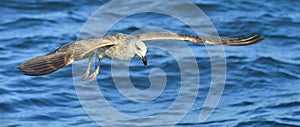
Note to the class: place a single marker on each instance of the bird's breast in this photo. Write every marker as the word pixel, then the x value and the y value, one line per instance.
pixel 119 53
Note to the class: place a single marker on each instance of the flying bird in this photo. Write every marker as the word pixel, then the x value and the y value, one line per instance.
pixel 116 46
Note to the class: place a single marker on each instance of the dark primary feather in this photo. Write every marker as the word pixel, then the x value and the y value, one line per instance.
pixel 43 65
pixel 235 41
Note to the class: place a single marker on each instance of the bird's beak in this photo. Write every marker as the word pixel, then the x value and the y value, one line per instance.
pixel 144 59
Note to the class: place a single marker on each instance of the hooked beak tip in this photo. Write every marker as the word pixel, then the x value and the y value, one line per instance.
pixel 144 59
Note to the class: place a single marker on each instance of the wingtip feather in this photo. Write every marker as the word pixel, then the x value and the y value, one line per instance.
pixel 43 65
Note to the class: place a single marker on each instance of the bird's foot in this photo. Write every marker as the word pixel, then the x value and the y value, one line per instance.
pixel 93 76
pixel 86 74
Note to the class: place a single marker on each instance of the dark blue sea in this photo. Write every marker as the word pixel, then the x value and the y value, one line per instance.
pixel 262 86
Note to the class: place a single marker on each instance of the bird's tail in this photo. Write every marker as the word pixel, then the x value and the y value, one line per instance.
pixel 43 65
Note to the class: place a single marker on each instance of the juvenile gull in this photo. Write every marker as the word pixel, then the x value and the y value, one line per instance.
pixel 116 46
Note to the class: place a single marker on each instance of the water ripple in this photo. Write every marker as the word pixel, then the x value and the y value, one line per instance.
pixel 262 86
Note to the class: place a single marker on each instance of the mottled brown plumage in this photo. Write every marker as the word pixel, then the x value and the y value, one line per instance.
pixel 116 46
pixel 228 41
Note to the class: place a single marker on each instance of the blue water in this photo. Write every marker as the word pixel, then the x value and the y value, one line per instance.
pixel 262 82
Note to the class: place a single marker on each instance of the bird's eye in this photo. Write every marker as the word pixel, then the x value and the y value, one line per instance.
pixel 138 48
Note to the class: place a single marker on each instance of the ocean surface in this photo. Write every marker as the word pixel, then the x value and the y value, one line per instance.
pixel 262 85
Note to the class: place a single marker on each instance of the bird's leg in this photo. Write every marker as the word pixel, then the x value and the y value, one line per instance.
pixel 94 74
pixel 86 74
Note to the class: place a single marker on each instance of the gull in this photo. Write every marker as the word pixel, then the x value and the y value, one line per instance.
pixel 116 46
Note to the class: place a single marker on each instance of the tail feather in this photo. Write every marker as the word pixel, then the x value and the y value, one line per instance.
pixel 43 65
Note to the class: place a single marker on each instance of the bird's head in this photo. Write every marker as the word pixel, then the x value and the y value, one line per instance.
pixel 141 50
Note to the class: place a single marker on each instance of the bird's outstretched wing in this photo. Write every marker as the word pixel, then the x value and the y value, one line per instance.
pixel 228 41
pixel 62 57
